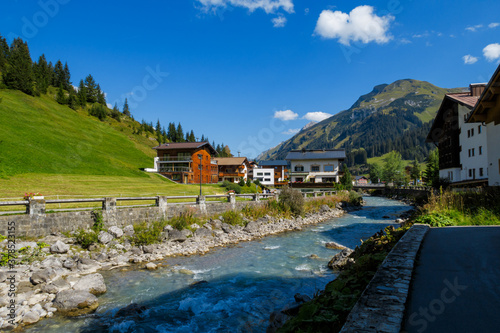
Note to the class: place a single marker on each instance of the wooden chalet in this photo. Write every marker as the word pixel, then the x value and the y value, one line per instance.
pixel 233 169
pixel 181 162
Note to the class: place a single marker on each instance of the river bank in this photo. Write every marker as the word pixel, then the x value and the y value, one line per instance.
pixel 67 281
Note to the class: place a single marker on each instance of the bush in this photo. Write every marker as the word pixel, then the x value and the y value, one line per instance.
pixel 184 220
pixel 146 234
pixel 232 217
pixel 99 111
pixel 87 238
pixel 241 182
pixel 435 220
pixel 292 200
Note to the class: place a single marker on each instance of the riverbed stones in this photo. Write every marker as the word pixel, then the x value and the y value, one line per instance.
pixel 148 248
pixel 203 232
pixel 115 231
pixel 335 246
pixel 56 286
pixel 341 259
pixel 93 283
pixel 75 302
pixel 226 228
pixel 105 237
pixel 151 266
pixel 59 247
pixel 129 230
pixel 176 236
pixel 31 317
pixel 43 275
pixel 252 227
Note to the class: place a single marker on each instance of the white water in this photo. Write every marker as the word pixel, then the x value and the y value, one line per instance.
pixel 244 283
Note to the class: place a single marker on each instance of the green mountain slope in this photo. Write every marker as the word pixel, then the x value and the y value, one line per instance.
pixel 40 136
pixel 391 117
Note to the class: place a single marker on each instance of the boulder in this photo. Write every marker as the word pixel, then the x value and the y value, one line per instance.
pixel 216 224
pixel 252 227
pixel 186 233
pixel 43 275
pixel 151 266
pixel 56 286
pixel 31 317
pixel 324 209
pixel 176 236
pixel 20 245
pixel 129 230
pixel 148 248
pixel 341 259
pixel 203 232
pixel 51 262
pixel 226 228
pixel 115 231
pixel 93 283
pixel 335 246
pixel 105 237
pixel 69 263
pixel 75 302
pixel 86 264
pixel 131 311
pixel 59 247
pixel 3 277
pixel 300 298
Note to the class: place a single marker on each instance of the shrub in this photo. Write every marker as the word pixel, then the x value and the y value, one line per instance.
pixel 183 220
pixel 232 217
pixel 292 200
pixel 355 198
pixel 241 182
pixel 146 234
pixel 435 220
pixel 87 238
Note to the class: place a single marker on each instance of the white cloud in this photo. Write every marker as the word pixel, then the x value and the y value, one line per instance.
pixel 279 22
pixel 474 27
pixel 286 115
pixel 469 60
pixel 404 41
pixel 361 24
pixel 492 52
pixel 291 131
pixel 493 25
pixel 109 105
pixel 269 6
pixel 306 11
pixel 317 116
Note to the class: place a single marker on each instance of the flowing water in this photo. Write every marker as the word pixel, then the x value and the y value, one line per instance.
pixel 232 289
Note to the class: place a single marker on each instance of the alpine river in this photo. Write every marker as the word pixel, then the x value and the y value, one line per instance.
pixel 231 289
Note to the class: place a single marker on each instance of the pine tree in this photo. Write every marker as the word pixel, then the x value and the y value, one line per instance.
pixel 82 94
pixel 67 77
pixel 101 99
pixel 172 132
pixel 346 179
pixel 72 99
pixel 115 113
pixel 41 75
pixel 19 73
pixel 91 89
pixel 59 75
pixel 126 110
pixel 192 138
pixel 61 95
pixel 180 134
pixel 4 53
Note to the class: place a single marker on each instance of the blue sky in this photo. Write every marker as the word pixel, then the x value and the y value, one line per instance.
pixel 249 73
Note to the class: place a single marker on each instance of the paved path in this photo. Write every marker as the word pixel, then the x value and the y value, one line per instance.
pixel 456 282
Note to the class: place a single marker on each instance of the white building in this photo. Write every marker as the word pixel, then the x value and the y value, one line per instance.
pixel 265 176
pixel 318 166
pixel 487 112
pixel 462 146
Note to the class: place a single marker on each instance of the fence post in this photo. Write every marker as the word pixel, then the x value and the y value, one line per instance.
pixel 315 194
pixel 256 197
pixel 202 204
pixel 109 204
pixel 231 198
pixel 161 203
pixel 36 207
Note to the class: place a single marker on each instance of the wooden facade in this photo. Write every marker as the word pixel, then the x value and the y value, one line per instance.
pixel 233 169
pixel 181 162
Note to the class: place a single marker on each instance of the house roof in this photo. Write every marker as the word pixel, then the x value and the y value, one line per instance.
pixel 273 163
pixel 326 154
pixel 361 177
pixel 464 98
pixel 231 160
pixel 489 100
pixel 185 145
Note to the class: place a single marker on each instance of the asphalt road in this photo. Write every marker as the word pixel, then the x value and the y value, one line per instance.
pixel 456 282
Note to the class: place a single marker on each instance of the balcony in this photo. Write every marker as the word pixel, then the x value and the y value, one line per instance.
pixel 175 159
pixel 231 174
pixel 175 169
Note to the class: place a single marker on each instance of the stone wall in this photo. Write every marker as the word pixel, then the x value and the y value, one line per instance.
pixel 37 223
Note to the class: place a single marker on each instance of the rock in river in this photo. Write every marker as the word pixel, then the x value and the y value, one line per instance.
pixel 75 302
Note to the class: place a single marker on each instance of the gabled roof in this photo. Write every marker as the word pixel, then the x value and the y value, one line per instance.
pixel 489 100
pixel 231 160
pixel 464 98
pixel 273 163
pixel 326 154
pixel 186 145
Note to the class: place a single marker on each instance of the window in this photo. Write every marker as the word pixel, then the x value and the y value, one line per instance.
pixel 299 179
pixel 479 129
pixel 259 174
pixel 328 168
pixel 481 172
pixel 480 150
pixel 299 168
pixel 469 153
pixel 470 173
pixel 267 179
pixel 472 151
pixel 315 168
pixel 472 132
pixel 468 133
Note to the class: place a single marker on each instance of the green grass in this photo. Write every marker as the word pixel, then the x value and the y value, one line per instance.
pixel 380 160
pixel 49 148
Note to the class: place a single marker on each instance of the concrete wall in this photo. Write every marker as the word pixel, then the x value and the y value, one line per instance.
pixel 493 154
pixel 472 137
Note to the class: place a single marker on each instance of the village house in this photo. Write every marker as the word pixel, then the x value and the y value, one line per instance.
pixel 280 170
pixel 181 162
pixel 264 175
pixel 233 169
pixel 486 115
pixel 462 146
pixel 317 166
pixel 361 180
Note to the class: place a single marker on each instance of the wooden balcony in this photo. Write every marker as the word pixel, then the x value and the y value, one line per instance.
pixel 227 174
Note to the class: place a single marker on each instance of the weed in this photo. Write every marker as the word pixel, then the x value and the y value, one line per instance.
pixel 232 217
pixel 291 199
pixel 146 234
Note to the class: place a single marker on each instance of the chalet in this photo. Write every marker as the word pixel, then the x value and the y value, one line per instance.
pixel 318 166
pixel 280 169
pixel 361 180
pixel 233 169
pixel 181 162
pixel 462 146
pixel 486 115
